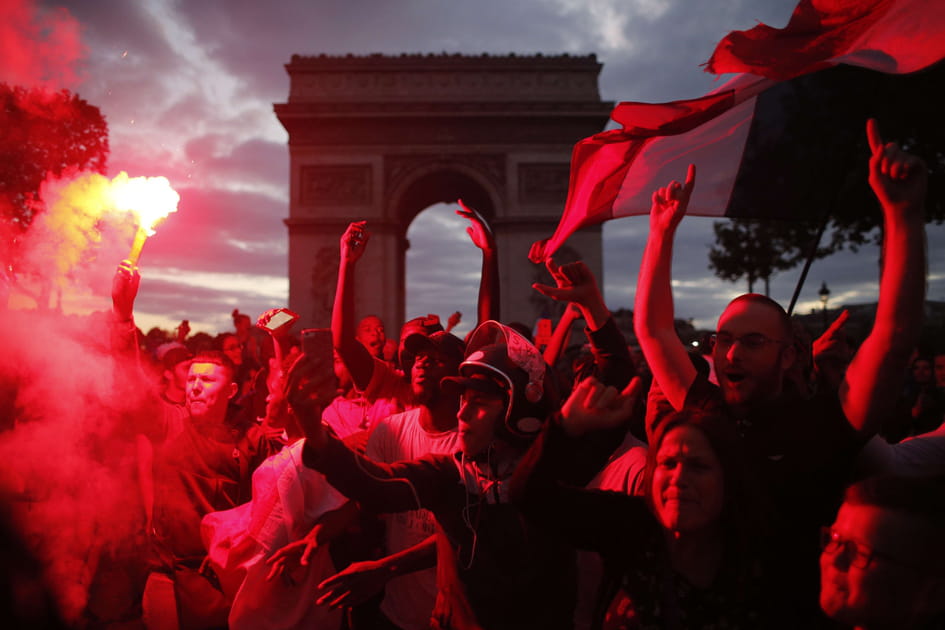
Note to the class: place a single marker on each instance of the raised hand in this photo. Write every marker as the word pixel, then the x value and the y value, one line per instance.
pixel 479 232
pixel 536 253
pixel 453 320
pixel 833 340
pixel 125 289
pixel 670 202
pixel 354 241
pixel 183 330
pixel 592 406
pixel 898 179
pixel 575 283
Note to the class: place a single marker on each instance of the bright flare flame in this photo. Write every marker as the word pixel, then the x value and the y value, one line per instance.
pixel 149 198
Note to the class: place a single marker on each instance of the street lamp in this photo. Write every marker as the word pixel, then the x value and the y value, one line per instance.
pixel 824 294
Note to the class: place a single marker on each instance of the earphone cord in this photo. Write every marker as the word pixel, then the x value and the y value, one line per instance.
pixel 416 495
pixel 467 511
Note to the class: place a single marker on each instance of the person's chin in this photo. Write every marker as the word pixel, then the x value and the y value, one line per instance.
pixel 423 392
pixel 832 597
pixel 197 409
pixel 470 447
pixel 737 393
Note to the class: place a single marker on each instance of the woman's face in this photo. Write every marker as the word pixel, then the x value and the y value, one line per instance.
pixel 233 349
pixel 688 485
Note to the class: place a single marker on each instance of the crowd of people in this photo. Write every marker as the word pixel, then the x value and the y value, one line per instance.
pixel 345 479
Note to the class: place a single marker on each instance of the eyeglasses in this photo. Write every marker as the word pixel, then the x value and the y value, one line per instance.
pixel 751 341
pixel 856 553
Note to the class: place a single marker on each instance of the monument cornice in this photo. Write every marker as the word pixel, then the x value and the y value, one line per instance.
pixel 434 61
pixel 474 108
pixel 443 78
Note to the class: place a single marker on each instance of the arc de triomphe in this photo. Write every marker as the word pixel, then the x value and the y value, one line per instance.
pixel 384 137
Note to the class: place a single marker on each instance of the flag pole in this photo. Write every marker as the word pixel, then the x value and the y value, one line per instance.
pixel 810 259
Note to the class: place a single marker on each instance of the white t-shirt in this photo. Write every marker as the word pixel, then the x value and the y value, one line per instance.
pixel 347 416
pixel 409 599
pixel 288 498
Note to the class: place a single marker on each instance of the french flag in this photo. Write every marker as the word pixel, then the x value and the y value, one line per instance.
pixel 819 71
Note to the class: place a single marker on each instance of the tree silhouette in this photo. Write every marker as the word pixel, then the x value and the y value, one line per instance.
pixel 756 250
pixel 42 133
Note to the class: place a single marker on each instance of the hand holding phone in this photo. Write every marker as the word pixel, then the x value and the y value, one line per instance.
pixel 277 320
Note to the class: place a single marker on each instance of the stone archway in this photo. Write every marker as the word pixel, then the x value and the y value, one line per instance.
pixel 431 181
pixel 381 138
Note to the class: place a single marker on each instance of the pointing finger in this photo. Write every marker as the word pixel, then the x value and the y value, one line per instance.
pixel 839 322
pixel 872 134
pixel 634 387
pixel 552 267
pixel 690 178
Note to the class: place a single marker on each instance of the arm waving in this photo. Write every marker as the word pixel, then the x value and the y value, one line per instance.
pixel 355 356
pixel 653 308
pixel 483 238
pixel 874 377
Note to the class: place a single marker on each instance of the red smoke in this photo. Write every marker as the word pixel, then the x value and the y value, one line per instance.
pixel 39 46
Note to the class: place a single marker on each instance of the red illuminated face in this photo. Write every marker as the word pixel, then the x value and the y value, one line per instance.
pixel 371 334
pixel 428 369
pixel 750 353
pixel 688 484
pixel 940 370
pixel 478 416
pixel 233 349
pixel 867 569
pixel 408 329
pixel 209 389
pixel 922 371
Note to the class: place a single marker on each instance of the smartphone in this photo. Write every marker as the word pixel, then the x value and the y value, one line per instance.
pixel 281 318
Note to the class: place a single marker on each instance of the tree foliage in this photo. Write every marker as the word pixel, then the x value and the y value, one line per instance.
pixel 44 133
pixel 756 250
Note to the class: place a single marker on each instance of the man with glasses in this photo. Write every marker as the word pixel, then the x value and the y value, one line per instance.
pixel 883 559
pixel 802 446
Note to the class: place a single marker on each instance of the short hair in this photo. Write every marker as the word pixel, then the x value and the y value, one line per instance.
pixel 217 357
pixel 922 498
pixel 222 337
pixel 787 328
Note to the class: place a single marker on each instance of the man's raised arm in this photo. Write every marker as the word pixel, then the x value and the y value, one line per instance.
pixel 355 356
pixel 482 237
pixel 874 377
pixel 653 308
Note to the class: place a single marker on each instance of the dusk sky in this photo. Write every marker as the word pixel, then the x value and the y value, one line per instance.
pixel 188 88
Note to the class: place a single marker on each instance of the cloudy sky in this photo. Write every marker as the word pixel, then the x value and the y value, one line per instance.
pixel 187 89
